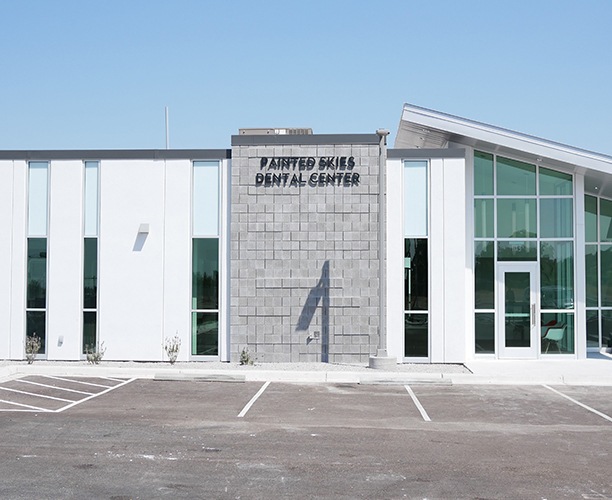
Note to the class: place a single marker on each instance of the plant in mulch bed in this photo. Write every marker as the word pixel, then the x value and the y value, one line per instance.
pixel 95 353
pixel 172 346
pixel 32 346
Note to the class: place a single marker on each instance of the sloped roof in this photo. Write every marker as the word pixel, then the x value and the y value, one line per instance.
pixel 424 128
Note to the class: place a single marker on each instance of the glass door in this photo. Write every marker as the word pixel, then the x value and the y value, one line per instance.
pixel 517 328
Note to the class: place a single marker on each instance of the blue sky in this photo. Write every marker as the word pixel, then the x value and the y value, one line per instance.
pixel 88 74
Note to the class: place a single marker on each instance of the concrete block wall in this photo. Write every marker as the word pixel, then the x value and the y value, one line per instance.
pixel 304 259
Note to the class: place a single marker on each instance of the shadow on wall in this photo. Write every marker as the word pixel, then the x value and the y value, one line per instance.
pixel 318 295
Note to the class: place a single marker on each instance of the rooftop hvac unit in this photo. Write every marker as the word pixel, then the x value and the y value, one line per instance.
pixel 275 131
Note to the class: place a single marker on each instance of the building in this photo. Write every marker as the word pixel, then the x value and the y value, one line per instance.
pixel 497 245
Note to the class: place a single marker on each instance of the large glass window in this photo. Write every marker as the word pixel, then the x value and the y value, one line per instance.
pixel 36 289
pixel 532 208
pixel 205 296
pixel 205 259
pixel 90 257
pixel 416 257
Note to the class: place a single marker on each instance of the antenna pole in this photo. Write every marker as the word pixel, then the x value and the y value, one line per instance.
pixel 167 129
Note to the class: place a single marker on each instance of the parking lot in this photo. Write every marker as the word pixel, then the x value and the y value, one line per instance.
pixel 157 439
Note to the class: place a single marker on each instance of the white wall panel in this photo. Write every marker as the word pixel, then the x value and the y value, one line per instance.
pixel 18 263
pixel 6 222
pixel 395 260
pixel 131 263
pixel 65 260
pixel 455 282
pixel 177 254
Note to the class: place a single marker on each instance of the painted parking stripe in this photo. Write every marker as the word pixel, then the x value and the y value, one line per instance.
pixel 76 381
pixel 125 382
pixel 112 379
pixel 36 395
pixel 53 387
pixel 418 404
pixel 32 408
pixel 253 399
pixel 593 410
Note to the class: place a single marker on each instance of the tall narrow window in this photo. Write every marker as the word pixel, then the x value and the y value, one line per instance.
pixel 36 293
pixel 90 257
pixel 416 260
pixel 205 259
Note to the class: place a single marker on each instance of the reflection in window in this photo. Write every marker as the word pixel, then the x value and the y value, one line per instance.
pixel 516 218
pixel 557 218
pixel 483 173
pixel 557 275
pixel 484 275
pixel 515 177
pixel 555 183
pixel 557 333
pixel 205 297
pixel 416 294
pixel 485 332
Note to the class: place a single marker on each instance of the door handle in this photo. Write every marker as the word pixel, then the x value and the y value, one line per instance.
pixel 533 315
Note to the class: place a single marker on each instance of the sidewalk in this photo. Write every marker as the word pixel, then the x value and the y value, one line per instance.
pixel 596 370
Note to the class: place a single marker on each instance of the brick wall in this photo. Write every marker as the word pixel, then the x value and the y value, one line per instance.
pixel 304 258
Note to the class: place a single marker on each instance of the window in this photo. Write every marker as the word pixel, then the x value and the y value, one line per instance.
pixel 416 260
pixel 90 258
pixel 205 259
pixel 36 290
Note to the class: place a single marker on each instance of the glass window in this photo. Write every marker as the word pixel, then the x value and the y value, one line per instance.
pixel 557 333
pixel 91 198
pixel 555 183
pixel 606 328
pixel 557 275
pixel 416 335
pixel 483 218
pixel 90 273
pixel 592 276
pixel 592 327
pixel 484 275
pixel 605 220
pixel 205 334
pixel 36 325
pixel 89 330
pixel 515 177
pixel 606 275
pixel 590 218
pixel 483 173
pixel 37 273
pixel 205 198
pixel 516 218
pixel 415 198
pixel 416 275
pixel 37 198
pixel 205 273
pixel 557 218
pixel 517 250
pixel 485 332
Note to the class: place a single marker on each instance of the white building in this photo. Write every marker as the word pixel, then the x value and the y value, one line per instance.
pixel 497 244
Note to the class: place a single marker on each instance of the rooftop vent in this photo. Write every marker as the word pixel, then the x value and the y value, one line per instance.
pixel 275 131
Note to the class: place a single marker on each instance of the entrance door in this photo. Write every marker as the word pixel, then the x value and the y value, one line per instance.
pixel 517 326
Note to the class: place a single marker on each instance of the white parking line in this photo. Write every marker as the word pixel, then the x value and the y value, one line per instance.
pixel 53 387
pixel 253 399
pixel 418 404
pixel 125 382
pixel 602 415
pixel 32 408
pixel 76 381
pixel 36 395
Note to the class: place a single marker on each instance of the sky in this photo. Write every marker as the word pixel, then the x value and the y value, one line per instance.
pixel 98 74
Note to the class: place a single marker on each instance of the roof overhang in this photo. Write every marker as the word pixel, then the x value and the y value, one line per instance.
pixel 424 128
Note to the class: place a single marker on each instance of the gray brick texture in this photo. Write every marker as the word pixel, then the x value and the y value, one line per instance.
pixel 304 253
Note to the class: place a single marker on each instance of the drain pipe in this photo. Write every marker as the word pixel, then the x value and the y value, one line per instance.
pixel 382 361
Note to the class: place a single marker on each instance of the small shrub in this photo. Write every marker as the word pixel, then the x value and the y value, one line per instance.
pixel 245 357
pixel 95 353
pixel 32 347
pixel 172 346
